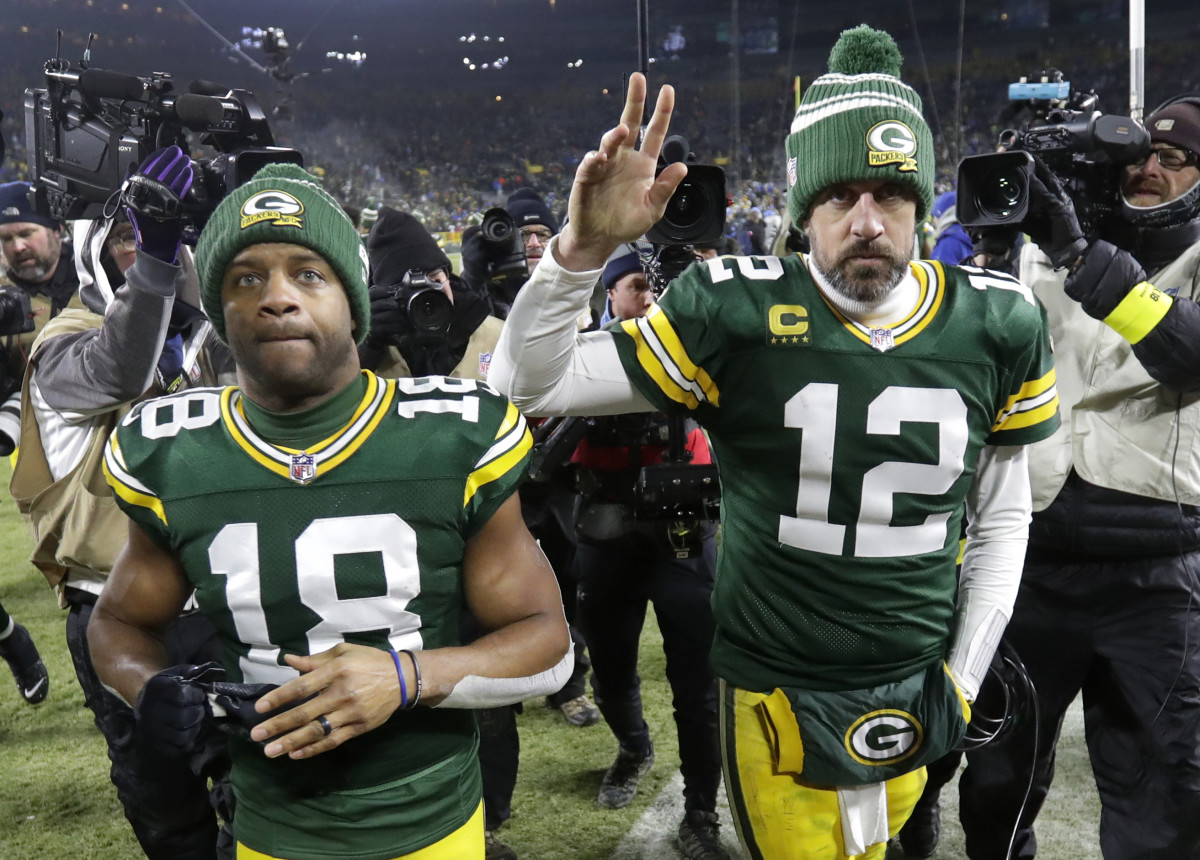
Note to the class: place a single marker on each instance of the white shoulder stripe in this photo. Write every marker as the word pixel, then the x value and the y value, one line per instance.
pixel 504 444
pixel 116 468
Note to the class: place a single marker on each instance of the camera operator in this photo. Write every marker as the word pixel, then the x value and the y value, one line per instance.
pixel 38 263
pixel 626 562
pixel 434 327
pixel 140 335
pixel 488 267
pixel 1109 602
pixel 38 281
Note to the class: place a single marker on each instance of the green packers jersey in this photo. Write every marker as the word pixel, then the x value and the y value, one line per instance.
pixel 360 539
pixel 845 454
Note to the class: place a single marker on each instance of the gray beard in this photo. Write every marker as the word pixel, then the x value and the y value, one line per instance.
pixel 858 283
pixel 35 271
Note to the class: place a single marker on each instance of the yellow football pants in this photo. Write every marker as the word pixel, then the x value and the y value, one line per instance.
pixel 778 817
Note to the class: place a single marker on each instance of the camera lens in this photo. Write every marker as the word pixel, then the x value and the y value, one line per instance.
pixel 687 206
pixel 497 227
pixel 430 311
pixel 1001 193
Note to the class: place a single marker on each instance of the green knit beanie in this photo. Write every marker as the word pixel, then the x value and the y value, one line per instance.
pixel 859 122
pixel 282 203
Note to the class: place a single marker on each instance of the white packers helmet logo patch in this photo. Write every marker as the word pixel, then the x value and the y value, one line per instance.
pixel 1164 124
pixel 892 142
pixel 278 206
pixel 884 737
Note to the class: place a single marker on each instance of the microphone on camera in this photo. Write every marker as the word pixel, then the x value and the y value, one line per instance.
pixel 199 112
pixel 111 85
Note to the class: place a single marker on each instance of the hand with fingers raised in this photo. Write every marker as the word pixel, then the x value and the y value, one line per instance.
pixel 616 196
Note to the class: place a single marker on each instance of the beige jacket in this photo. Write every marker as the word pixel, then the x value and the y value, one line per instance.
pixel 1120 428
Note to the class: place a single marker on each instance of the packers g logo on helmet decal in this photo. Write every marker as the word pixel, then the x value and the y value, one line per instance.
pixel 273 205
pixel 892 142
pixel 884 737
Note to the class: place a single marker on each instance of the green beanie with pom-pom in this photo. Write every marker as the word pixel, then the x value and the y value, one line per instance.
pixel 282 203
pixel 859 122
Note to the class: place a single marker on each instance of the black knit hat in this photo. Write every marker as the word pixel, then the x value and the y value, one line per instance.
pixel 527 207
pixel 14 206
pixel 399 242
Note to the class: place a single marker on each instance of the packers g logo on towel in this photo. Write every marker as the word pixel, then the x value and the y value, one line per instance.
pixel 883 737
pixel 892 142
pixel 278 206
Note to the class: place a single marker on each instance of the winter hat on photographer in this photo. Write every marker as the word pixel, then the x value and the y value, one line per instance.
pixel 859 122
pixel 14 206
pixel 282 203
pixel 1177 124
pixel 399 242
pixel 526 206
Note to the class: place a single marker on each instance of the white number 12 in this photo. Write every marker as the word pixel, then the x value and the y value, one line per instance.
pixel 813 409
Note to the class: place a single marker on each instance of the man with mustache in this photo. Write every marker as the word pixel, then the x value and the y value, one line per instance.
pixel 858 403
pixel 38 263
pixel 333 525
pixel 1109 603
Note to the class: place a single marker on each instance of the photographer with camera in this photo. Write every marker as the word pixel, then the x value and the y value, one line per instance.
pixel 140 334
pixel 424 320
pixel 859 404
pixel 627 560
pixel 499 254
pixel 1109 602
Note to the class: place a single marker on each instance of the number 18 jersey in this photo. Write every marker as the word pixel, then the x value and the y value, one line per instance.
pixel 845 454
pixel 360 539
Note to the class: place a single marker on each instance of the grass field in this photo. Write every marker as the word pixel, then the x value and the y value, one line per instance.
pixel 56 801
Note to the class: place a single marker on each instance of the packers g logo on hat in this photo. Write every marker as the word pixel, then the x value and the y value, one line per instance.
pixel 892 142
pixel 272 205
pixel 883 737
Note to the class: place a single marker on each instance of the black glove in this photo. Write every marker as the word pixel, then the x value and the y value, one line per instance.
pixel 1103 278
pixel 995 245
pixel 1051 222
pixel 153 199
pixel 171 708
pixel 387 317
pixel 474 259
pixel 232 706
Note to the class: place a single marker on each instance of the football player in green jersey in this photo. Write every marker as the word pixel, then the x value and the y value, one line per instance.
pixel 860 404
pixel 333 525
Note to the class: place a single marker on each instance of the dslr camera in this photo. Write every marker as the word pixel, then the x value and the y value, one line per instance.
pixel 428 311
pixel 1084 148
pixel 502 246
pixel 16 311
pixel 89 129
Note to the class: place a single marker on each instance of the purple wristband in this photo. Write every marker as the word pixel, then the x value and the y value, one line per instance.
pixel 400 675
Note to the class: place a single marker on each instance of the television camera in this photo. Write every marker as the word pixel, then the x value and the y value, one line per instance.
pixel 1083 147
pixel 695 214
pixel 89 129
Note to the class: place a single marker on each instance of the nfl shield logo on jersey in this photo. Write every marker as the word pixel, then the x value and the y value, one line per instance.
pixel 304 468
pixel 882 339
pixel 485 363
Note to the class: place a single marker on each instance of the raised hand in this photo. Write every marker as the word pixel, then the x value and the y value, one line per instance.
pixel 153 201
pixel 616 197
